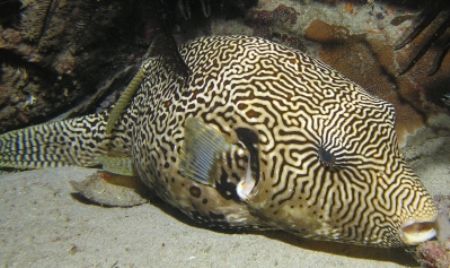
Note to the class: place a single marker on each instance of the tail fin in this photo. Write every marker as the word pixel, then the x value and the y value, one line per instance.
pixel 77 141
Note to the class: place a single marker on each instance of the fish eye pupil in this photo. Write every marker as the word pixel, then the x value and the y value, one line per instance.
pixel 326 157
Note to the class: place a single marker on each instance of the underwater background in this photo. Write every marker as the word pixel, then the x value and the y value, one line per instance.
pixel 60 59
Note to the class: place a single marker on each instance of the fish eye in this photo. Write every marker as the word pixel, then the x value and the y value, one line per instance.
pixel 326 157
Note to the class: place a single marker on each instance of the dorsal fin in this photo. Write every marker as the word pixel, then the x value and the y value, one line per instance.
pixel 165 48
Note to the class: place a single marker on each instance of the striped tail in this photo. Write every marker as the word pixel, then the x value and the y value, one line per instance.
pixel 77 141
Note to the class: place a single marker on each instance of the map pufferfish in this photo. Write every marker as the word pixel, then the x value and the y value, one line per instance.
pixel 241 132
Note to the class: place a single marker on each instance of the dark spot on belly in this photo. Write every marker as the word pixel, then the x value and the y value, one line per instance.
pixel 204 201
pixel 195 191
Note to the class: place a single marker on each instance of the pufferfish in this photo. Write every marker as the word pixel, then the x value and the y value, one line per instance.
pixel 240 132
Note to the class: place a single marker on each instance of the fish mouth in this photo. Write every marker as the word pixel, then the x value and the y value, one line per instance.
pixel 414 232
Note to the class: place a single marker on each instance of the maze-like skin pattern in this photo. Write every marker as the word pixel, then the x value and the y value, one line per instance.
pixel 328 163
pixel 297 106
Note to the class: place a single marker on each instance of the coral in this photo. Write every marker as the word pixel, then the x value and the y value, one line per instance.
pixel 433 254
pixel 437 253
pixel 431 26
pixel 284 15
pixel 50 56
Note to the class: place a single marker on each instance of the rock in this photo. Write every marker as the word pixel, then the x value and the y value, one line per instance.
pixel 320 31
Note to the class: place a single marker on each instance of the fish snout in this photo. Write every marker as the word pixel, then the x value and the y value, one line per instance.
pixel 414 232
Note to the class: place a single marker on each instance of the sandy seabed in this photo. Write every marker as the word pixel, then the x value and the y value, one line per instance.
pixel 44 224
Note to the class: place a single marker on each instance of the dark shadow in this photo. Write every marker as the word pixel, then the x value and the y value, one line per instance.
pixel 9 12
pixel 436 92
pixel 80 198
pixel 396 255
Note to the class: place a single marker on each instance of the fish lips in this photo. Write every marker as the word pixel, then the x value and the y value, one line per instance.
pixel 414 232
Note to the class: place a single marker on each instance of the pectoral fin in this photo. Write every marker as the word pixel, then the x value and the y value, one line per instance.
pixel 202 146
